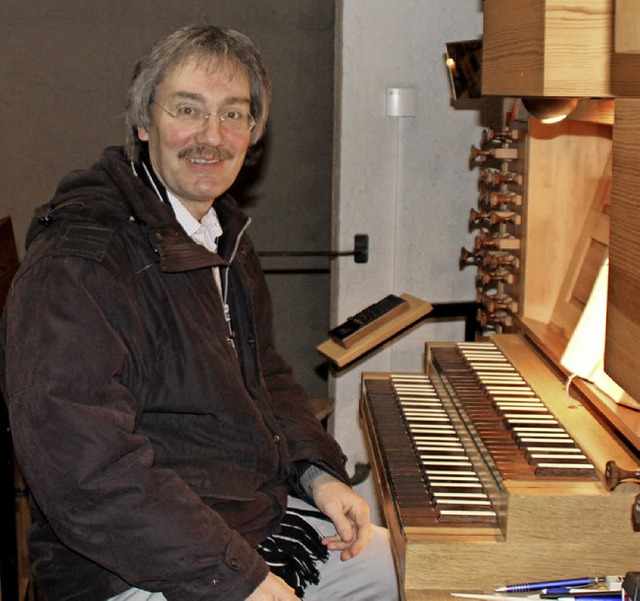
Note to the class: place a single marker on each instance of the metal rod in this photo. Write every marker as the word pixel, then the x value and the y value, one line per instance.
pixel 360 251
pixel 306 253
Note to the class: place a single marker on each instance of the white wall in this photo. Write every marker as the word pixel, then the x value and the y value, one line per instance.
pixel 404 181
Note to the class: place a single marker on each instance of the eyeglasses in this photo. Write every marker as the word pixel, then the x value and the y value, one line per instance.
pixel 231 119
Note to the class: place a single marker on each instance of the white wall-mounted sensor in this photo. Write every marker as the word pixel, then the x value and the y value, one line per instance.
pixel 401 102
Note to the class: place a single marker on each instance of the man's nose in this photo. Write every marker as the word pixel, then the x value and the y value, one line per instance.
pixel 211 130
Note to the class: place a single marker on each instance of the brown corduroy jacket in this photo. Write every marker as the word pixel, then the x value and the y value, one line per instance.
pixel 158 443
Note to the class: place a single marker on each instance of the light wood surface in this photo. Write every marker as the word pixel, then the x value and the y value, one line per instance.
pixel 622 360
pixel 627 26
pixel 431 595
pixel 341 356
pixel 552 342
pixel 626 58
pixel 589 252
pixel 568 167
pixel 323 406
pixel 570 178
pixel 594 110
pixel 547 48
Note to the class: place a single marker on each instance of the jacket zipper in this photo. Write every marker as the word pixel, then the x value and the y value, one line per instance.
pixel 227 316
pixel 225 286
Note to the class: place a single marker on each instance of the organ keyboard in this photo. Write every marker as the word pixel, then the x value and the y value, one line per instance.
pixel 491 474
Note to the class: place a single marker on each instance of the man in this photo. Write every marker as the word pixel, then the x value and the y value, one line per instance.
pixel 159 431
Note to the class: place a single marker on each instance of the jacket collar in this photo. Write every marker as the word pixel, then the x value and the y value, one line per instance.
pixel 175 248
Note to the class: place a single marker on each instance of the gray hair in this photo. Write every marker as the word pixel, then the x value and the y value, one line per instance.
pixel 199 42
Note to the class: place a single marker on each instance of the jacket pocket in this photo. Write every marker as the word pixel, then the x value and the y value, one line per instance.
pixel 226 479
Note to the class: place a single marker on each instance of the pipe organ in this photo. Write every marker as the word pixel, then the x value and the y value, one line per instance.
pixel 503 461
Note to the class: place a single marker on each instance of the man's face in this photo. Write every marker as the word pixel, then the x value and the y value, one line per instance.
pixel 198 162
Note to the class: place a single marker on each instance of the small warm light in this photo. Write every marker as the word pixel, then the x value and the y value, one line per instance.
pixel 450 63
pixel 557 119
pixel 550 110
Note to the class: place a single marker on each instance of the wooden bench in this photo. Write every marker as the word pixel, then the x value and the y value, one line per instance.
pixel 15 578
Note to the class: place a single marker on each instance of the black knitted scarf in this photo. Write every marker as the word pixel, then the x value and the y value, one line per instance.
pixel 292 553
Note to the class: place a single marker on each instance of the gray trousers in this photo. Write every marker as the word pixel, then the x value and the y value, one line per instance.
pixel 370 576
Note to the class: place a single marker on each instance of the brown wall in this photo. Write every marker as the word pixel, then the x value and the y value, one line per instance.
pixel 64 68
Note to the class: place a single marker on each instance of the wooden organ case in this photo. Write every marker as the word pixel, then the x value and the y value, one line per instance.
pixel 498 464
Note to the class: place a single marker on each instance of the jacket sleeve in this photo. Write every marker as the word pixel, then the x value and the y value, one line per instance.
pixel 308 441
pixel 73 391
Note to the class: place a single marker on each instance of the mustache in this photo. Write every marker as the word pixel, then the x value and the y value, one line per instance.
pixel 206 153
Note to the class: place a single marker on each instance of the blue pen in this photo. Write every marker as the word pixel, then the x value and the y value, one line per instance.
pixel 536 586
pixel 579 594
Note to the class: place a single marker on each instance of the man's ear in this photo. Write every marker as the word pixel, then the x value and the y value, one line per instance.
pixel 143 134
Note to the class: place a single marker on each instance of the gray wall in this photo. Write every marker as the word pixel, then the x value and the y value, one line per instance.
pixel 405 181
pixel 64 71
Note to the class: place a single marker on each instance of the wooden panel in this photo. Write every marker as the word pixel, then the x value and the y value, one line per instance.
pixel 627 26
pixel 568 175
pixel 8 257
pixel 513 48
pixel 547 48
pixel 594 111
pixel 585 280
pixel 622 361
pixel 587 258
pixel 15 553
pixel 537 554
pixel 626 60
pixel 626 75
pixel 341 356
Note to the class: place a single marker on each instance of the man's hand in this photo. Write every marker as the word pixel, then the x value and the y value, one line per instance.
pixel 349 513
pixel 273 588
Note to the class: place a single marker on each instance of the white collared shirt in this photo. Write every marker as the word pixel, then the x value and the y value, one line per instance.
pixel 205 232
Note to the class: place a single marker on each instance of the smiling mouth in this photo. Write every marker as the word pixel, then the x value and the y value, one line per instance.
pixel 205 161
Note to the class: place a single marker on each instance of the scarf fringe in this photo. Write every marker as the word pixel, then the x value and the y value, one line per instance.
pixel 292 553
